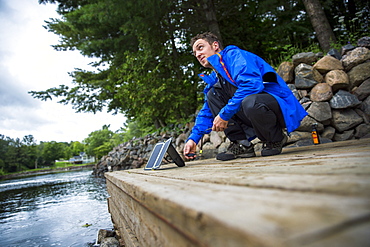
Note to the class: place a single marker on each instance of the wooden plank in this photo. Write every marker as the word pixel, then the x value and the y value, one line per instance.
pixel 316 196
pixel 150 229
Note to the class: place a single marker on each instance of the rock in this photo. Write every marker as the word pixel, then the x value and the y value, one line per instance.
pixel 320 111
pixel 181 138
pixel 306 104
pixel 346 119
pixel 298 135
pixel 365 106
pixel 355 57
pixel 365 117
pixel 334 53
pixel 363 91
pixel 304 57
pixel 306 125
pixel 321 92
pixel 110 242
pixel 286 71
pixel 215 139
pixel 222 135
pixel 104 234
pixel 223 147
pixel 327 64
pixel 308 72
pixel 305 100
pixel 362 130
pixel 208 145
pixel 346 135
pixel 294 90
pixel 302 93
pixel 209 151
pixel 359 74
pixel 328 132
pixel 343 99
pixel 319 55
pixel 309 142
pixel 337 79
pixel 364 42
pixel 304 83
pixel 347 48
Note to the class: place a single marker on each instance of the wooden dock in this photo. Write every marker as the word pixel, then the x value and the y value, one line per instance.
pixel 306 196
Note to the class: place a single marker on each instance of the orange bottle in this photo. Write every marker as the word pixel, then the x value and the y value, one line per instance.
pixel 315 134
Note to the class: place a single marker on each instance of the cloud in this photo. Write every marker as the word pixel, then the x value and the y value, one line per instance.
pixel 29 63
pixel 11 94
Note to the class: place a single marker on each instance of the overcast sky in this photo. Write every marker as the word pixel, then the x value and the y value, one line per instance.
pixel 29 63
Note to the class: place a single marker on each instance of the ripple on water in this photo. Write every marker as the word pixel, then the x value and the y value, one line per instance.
pixel 50 210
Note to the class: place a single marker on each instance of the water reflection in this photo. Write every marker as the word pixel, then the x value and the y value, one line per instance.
pixel 50 210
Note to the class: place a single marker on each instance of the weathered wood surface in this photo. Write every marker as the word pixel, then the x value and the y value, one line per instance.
pixel 307 196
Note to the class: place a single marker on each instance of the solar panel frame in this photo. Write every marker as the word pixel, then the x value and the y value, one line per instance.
pixel 157 155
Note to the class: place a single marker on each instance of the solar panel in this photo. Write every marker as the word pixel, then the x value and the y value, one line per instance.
pixel 158 153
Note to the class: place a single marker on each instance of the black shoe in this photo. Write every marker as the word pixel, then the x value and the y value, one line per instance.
pixel 273 148
pixel 236 150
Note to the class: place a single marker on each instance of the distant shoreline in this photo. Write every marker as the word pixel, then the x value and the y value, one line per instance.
pixel 46 171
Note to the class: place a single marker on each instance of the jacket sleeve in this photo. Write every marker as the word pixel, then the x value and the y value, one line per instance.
pixel 246 75
pixel 203 124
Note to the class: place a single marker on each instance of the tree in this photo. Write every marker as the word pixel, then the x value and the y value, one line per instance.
pixel 138 40
pixel 98 142
pixel 52 151
pixel 30 148
pixel 17 154
pixel 324 32
pixel 77 147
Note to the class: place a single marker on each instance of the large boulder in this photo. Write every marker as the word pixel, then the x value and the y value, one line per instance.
pixel 321 92
pixel 304 57
pixel 306 124
pixel 308 72
pixel 320 111
pixel 346 135
pixel 286 71
pixel 355 57
pixel 362 130
pixel 345 119
pixel 363 91
pixel 337 79
pixel 359 74
pixel 328 63
pixel 344 99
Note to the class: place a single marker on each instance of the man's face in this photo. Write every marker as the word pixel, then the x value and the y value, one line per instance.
pixel 202 50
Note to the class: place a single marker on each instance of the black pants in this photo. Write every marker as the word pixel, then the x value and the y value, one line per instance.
pixel 260 114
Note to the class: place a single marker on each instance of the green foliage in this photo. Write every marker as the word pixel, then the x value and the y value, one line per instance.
pixel 135 129
pixel 117 138
pixel 18 155
pixel 53 151
pixel 76 148
pixel 286 53
pixel 349 29
pixel 98 142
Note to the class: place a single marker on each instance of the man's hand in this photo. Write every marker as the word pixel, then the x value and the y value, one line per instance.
pixel 219 124
pixel 189 149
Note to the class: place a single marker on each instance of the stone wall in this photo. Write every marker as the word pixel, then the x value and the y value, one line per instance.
pixel 334 89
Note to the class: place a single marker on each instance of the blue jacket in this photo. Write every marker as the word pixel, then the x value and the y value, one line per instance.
pixel 251 75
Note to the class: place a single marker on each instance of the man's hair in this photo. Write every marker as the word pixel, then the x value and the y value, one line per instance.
pixel 207 36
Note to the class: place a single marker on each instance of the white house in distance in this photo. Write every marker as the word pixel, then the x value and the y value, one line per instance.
pixel 83 158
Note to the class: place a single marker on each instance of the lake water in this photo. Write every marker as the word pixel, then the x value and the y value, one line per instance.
pixel 52 210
